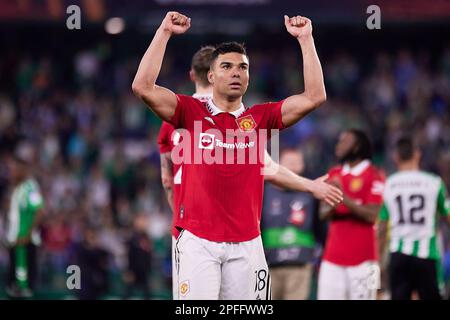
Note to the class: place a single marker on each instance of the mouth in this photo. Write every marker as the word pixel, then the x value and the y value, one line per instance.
pixel 235 85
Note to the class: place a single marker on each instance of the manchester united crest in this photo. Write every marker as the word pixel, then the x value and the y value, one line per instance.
pixel 184 288
pixel 356 184
pixel 246 124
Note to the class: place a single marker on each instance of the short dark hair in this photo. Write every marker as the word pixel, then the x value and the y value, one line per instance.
pixel 405 148
pixel 227 47
pixel 201 61
pixel 363 144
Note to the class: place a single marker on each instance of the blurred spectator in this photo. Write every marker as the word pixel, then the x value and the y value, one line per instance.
pixel 56 241
pixel 139 258
pixel 93 263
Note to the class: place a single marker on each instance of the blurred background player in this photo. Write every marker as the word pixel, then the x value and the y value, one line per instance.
pixel 171 173
pixel 290 227
pixel 349 269
pixel 413 203
pixel 25 212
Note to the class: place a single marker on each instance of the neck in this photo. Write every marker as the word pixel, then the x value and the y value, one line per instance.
pixel 18 180
pixel 408 166
pixel 199 89
pixel 227 104
pixel 354 163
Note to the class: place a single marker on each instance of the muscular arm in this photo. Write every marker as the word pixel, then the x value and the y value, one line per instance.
pixel 368 213
pixel 286 179
pixel 160 100
pixel 298 106
pixel 325 211
pixel 167 177
pixel 382 239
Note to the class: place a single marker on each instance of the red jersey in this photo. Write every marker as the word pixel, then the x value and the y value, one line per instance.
pixel 221 201
pixel 352 241
pixel 167 139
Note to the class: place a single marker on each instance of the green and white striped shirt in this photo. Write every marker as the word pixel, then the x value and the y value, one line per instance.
pixel 26 200
pixel 413 202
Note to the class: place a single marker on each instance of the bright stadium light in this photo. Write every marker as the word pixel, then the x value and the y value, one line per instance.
pixel 114 25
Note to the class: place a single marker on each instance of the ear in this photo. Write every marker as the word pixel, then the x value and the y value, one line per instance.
pixel 417 155
pixel 210 77
pixel 192 75
pixel 356 147
pixel 395 157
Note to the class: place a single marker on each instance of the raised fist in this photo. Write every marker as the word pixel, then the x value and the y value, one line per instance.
pixel 298 26
pixel 176 23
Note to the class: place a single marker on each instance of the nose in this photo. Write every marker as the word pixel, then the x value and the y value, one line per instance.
pixel 236 73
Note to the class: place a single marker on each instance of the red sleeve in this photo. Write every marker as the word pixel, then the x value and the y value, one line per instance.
pixel 375 194
pixel 179 118
pixel 164 137
pixel 334 171
pixel 272 115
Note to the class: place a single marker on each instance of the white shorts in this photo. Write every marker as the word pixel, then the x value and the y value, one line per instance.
pixel 174 272
pixel 337 282
pixel 208 270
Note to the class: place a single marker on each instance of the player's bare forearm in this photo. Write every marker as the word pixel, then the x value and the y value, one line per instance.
pixel 313 74
pixel 167 177
pixel 382 239
pixel 151 62
pixel 325 211
pixel 383 261
pixel 287 179
pixel 321 190
pixel 162 101
pixel 367 213
pixel 298 106
pixel 169 195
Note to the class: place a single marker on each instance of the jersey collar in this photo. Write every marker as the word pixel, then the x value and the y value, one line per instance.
pixel 202 97
pixel 356 170
pixel 214 110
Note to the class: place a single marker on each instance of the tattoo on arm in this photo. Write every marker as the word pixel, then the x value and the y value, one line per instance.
pixel 167 177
